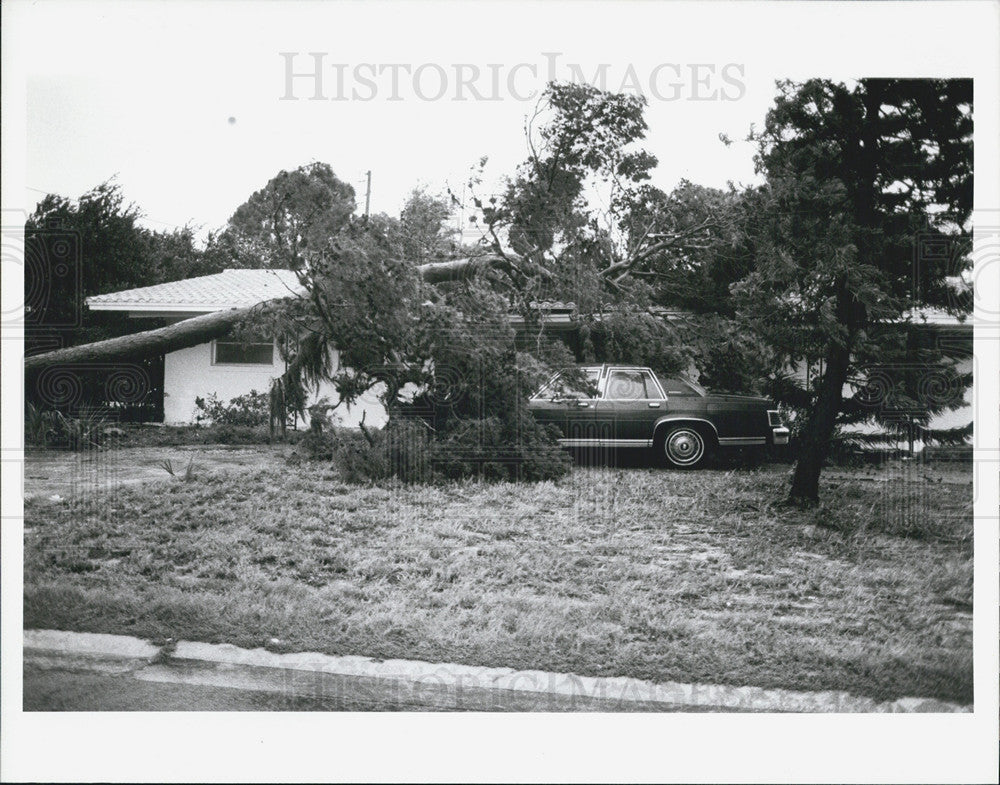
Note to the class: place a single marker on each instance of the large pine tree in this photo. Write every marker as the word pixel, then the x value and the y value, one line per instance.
pixel 857 179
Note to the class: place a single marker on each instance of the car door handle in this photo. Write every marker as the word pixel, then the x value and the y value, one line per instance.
pixel 582 404
pixel 654 404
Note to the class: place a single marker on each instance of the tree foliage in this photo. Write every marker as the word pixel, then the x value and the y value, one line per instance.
pixel 295 213
pixel 94 245
pixel 857 176
pixel 583 149
pixel 695 274
pixel 97 244
pixel 423 228
pixel 546 239
pixel 76 249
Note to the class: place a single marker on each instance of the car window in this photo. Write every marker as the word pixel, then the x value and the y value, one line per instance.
pixel 677 386
pixel 631 386
pixel 572 384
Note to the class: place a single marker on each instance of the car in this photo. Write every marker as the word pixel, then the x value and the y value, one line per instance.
pixel 630 406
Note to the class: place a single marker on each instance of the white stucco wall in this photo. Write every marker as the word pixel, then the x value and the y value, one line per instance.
pixel 189 374
pixel 954 418
pixel 349 416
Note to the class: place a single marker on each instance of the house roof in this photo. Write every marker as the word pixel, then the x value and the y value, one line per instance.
pixel 240 288
pixel 219 292
pixel 937 317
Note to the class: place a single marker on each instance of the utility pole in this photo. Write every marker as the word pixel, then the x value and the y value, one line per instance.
pixel 368 192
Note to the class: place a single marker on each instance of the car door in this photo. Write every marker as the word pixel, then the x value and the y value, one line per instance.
pixel 633 400
pixel 570 405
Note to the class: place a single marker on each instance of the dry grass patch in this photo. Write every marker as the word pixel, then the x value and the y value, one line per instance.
pixel 655 574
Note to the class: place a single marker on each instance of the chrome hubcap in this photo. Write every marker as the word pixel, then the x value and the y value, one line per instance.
pixel 685 447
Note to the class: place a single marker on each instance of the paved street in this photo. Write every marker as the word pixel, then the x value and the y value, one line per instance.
pixel 53 683
pixel 65 689
pixel 70 671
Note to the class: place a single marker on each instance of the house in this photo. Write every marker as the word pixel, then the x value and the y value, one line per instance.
pixel 220 367
pixel 229 369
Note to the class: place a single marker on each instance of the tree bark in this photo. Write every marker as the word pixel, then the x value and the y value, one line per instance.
pixel 456 269
pixel 819 430
pixel 140 346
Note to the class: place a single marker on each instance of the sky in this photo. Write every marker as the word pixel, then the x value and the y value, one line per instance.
pixel 190 107
pixel 191 112
pixel 194 156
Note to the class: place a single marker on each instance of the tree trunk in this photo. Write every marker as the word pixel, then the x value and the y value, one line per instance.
pixel 191 332
pixel 819 430
pixel 140 346
pixel 851 313
pixel 456 269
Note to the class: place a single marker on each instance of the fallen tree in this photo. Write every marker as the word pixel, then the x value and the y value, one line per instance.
pixel 458 269
pixel 200 329
pixel 140 346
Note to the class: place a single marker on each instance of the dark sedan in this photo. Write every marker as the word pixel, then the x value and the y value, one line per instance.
pixel 628 406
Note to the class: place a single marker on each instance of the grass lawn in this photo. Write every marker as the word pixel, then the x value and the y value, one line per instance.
pixel 640 572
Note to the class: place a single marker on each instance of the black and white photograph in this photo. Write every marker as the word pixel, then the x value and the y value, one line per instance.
pixel 501 391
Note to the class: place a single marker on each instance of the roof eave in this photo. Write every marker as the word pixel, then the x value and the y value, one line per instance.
pixel 166 307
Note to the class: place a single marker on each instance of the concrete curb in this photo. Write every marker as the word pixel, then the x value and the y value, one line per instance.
pixel 413 684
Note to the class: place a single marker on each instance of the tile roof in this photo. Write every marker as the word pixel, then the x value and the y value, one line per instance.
pixel 228 289
pixel 937 317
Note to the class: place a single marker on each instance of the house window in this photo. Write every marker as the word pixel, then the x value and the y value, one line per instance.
pixel 231 353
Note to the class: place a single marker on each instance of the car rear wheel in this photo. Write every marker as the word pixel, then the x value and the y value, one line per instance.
pixel 683 447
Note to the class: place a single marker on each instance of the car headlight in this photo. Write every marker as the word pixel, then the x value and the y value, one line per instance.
pixel 774 418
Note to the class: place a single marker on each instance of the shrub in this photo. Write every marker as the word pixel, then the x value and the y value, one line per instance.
pixel 233 434
pixel 487 449
pixel 494 449
pixel 317 445
pixel 402 450
pixel 83 432
pixel 318 441
pixel 40 425
pixel 360 461
pixel 251 409
pixel 50 428
pixel 407 449
pixel 461 364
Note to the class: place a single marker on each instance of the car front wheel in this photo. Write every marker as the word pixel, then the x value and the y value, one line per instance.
pixel 683 447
